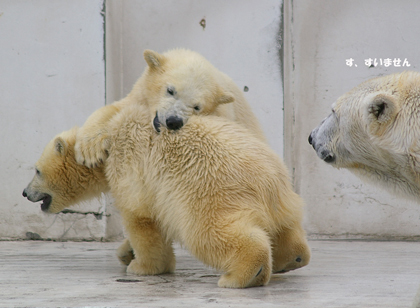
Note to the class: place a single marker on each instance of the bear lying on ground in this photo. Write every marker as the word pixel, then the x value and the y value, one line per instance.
pixel 212 186
pixel 374 131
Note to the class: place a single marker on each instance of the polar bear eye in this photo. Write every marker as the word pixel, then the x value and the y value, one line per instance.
pixel 170 90
pixel 197 108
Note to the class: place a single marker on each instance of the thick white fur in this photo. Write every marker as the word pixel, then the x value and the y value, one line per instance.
pixel 61 177
pixel 197 84
pixel 211 186
pixel 374 132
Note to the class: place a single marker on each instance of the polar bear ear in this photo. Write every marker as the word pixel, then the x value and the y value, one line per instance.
pixel 225 99
pixel 382 108
pixel 153 59
pixel 60 146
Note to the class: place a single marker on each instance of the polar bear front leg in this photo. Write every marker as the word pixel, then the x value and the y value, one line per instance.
pixel 92 141
pixel 153 253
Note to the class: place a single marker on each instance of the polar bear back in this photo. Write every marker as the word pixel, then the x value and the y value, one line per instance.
pixel 209 172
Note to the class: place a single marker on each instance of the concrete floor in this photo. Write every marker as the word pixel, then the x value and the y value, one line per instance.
pixel 341 274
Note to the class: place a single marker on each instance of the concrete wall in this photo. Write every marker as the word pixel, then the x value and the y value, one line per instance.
pixel 52 53
pixel 240 38
pixel 52 77
pixel 320 36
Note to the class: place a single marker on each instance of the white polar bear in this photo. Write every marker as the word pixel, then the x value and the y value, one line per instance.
pixel 374 131
pixel 212 185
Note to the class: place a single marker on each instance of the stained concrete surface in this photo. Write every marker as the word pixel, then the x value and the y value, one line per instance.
pixel 87 274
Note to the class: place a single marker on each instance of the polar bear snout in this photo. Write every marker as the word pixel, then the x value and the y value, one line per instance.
pixel 327 156
pixel 36 197
pixel 320 149
pixel 171 123
pixel 321 138
pixel 310 139
pixel 174 123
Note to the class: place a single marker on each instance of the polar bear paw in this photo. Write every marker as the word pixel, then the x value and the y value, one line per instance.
pixel 125 253
pixel 242 280
pixel 91 150
pixel 148 268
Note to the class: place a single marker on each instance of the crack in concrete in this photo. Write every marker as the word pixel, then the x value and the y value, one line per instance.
pixel 98 215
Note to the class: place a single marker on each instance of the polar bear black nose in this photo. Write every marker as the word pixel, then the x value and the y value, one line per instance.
pixel 174 123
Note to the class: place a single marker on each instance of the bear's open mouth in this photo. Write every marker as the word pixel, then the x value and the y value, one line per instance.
pixel 156 123
pixel 46 202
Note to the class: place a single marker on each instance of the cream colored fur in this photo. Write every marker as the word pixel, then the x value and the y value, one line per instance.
pixel 211 186
pixel 374 131
pixel 59 176
pixel 197 83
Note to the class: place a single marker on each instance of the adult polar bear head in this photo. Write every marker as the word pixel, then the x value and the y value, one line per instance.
pixel 374 131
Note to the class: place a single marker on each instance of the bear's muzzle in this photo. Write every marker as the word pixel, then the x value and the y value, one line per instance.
pixel 45 198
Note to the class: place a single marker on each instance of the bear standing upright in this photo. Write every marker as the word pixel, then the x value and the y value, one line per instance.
pixel 211 185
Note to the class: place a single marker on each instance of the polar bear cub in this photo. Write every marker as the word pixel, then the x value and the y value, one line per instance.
pixel 212 185
pixel 174 86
